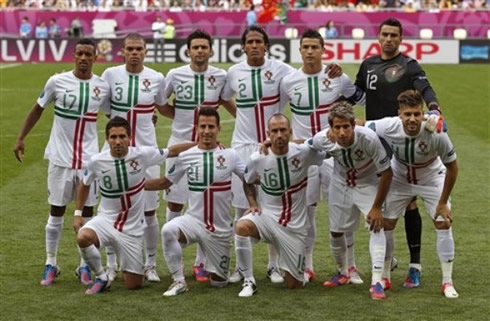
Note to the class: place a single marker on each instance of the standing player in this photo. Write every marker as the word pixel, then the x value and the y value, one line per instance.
pixel 255 84
pixel 135 92
pixel 424 165
pixel 208 170
pixel 195 85
pixel 311 92
pixel 121 171
pixel 383 78
pixel 77 95
pixel 355 188
pixel 282 217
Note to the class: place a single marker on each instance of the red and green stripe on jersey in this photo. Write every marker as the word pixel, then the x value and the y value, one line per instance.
pixel 256 101
pixel 313 109
pixel 279 184
pixel 351 172
pixel 409 160
pixel 207 186
pixel 120 189
pixel 188 97
pixel 80 115
pixel 131 106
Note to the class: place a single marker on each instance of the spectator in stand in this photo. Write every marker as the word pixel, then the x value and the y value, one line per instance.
pixel 251 17
pixel 158 28
pixel 331 32
pixel 76 29
pixel 41 31
pixel 25 28
pixel 175 6
pixel 54 29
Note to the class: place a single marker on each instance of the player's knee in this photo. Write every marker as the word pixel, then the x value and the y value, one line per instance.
pixel 242 228
pixel 88 211
pixel 389 224
pixel 217 281
pixel 292 283
pixel 170 232
pixel 132 281
pixel 150 213
pixel 336 234
pixel 85 238
pixel 175 207
pixel 442 225
pixel 57 210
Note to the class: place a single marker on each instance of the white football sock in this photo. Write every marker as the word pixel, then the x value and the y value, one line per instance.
pixel 200 257
pixel 350 239
pixel 310 236
pixel 111 257
pixel 243 249
pixel 390 248
pixel 339 248
pixel 172 250
pixel 377 249
pixel 445 250
pixel 85 221
pixel 171 215
pixel 91 255
pixel 53 235
pixel 273 257
pixel 151 239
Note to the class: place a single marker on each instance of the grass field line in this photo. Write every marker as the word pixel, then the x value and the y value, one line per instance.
pixel 5 66
pixel 43 134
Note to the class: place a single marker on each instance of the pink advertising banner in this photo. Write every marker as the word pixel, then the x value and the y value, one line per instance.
pixel 231 24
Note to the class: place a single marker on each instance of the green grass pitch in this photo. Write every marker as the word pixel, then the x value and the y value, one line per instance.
pixel 464 94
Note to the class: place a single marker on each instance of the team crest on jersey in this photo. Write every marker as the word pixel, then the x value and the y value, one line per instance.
pixel 96 92
pixel 135 166
pixel 423 148
pixel 221 162
pixel 146 83
pixel 268 77
pixel 211 83
pixel 326 85
pixel 359 155
pixel 297 165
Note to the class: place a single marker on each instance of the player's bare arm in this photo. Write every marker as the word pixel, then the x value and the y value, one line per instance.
pixel 30 121
pixel 82 196
pixel 375 215
pixel 442 208
pixel 229 106
pixel 166 110
pixel 175 150
pixel 250 193
pixel 157 184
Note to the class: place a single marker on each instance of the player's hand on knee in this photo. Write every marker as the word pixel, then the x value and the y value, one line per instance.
pixel 254 210
pixel 444 211
pixel 375 220
pixel 77 223
pixel 19 150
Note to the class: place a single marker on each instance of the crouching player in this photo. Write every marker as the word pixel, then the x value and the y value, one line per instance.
pixel 120 221
pixel 208 221
pixel 424 165
pixel 281 219
pixel 355 188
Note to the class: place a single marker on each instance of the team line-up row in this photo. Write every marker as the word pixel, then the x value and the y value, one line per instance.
pixel 274 193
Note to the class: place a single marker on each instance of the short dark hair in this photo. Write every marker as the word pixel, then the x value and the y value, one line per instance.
pixel 134 36
pixel 199 34
pixel 117 122
pixel 410 98
pixel 88 42
pixel 391 22
pixel 209 112
pixel 259 30
pixel 311 33
pixel 279 115
pixel 343 110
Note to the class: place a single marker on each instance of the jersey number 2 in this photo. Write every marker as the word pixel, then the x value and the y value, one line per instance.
pixel 371 81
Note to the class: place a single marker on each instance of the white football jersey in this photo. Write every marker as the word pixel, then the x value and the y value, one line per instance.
pixel 208 174
pixel 417 159
pixel 311 97
pixel 359 163
pixel 73 136
pixel 257 98
pixel 283 180
pixel 122 184
pixel 133 97
pixel 192 90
